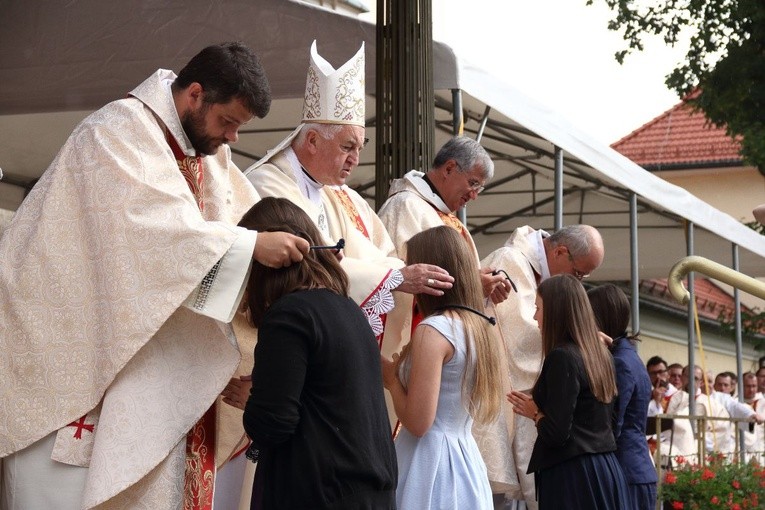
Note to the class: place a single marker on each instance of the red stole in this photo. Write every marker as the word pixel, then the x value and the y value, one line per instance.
pixel 665 403
pixel 192 170
pixel 199 481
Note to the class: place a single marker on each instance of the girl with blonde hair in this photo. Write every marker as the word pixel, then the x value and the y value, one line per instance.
pixel 448 375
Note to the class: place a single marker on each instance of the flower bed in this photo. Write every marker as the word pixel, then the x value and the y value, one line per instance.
pixel 719 484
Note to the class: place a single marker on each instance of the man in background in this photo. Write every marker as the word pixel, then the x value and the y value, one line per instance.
pixel 675 375
pixel 419 201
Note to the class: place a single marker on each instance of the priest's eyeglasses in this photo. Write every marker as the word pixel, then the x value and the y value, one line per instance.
pixel 476 186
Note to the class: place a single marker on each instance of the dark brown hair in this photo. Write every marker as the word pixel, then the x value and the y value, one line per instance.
pixel 319 269
pixel 567 318
pixel 444 247
pixel 612 310
pixel 227 71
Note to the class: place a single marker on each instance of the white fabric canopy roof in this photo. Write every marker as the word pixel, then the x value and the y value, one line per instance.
pixel 59 62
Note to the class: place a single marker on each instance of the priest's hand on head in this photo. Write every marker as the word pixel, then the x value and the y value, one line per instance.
pixel 425 279
pixel 279 249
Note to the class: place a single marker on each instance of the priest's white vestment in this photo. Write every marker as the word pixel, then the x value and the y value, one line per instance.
pixel 413 207
pixel 102 305
pixel 523 259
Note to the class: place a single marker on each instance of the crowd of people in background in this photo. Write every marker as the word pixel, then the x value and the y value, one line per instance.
pixel 715 397
pixel 166 317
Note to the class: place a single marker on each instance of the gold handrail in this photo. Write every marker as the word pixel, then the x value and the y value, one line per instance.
pixel 714 270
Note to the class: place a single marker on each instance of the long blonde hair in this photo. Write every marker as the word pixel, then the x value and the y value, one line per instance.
pixel 567 317
pixel 444 247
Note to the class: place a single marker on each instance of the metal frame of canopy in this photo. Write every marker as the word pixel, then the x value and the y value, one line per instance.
pixel 77 56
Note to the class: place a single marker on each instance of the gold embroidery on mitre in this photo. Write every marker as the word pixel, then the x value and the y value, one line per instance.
pixel 312 100
pixel 349 104
pixel 335 96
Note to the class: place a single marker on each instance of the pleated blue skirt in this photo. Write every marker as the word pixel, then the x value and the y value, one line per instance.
pixel 586 482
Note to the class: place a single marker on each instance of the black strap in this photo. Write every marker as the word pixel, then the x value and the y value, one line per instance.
pixel 491 320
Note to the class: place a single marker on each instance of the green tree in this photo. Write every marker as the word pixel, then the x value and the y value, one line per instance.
pixel 725 62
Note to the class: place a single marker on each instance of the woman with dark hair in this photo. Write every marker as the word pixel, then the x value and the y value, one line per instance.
pixel 612 315
pixel 447 376
pixel 572 405
pixel 316 413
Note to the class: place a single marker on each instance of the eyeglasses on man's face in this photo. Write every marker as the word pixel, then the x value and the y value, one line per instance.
pixel 657 371
pixel 580 275
pixel 473 183
pixel 476 186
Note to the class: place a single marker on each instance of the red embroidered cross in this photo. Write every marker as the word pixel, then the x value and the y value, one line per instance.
pixel 80 424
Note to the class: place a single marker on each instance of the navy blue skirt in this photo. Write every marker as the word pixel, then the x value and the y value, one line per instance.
pixel 643 496
pixel 586 482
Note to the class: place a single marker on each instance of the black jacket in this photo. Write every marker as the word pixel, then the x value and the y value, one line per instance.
pixel 317 411
pixel 574 422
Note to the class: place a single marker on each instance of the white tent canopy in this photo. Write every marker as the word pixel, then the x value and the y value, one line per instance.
pixel 59 62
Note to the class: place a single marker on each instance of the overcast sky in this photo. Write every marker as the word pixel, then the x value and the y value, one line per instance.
pixel 560 52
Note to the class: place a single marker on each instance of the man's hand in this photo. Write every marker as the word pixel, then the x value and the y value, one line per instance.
pixel 658 392
pixel 279 249
pixel 494 286
pixel 425 279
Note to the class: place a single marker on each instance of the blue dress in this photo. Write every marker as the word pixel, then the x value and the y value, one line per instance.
pixel 443 469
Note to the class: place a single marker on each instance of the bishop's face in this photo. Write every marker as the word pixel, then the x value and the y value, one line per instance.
pixel 337 157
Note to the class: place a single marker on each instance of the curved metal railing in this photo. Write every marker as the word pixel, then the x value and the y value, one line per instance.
pixel 711 269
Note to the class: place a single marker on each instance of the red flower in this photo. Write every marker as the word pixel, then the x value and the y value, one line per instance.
pixel 670 478
pixel 677 505
pixel 714 500
pixel 735 506
pixel 708 474
pixel 736 484
pixel 680 460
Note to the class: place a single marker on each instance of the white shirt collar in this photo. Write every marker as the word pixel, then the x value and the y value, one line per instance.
pixel 535 238
pixel 308 187
pixel 422 187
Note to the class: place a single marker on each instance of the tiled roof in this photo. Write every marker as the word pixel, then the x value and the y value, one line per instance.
pixel 711 300
pixel 679 138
